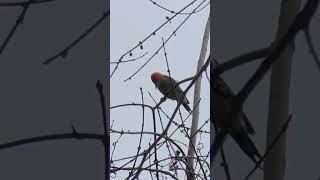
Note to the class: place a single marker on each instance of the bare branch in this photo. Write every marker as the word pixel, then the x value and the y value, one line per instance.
pixel 63 53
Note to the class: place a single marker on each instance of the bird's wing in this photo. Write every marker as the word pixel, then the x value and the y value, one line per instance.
pixel 247 145
pixel 174 82
pixel 177 88
pixel 222 88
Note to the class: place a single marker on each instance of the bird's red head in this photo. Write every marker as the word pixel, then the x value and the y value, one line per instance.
pixel 155 76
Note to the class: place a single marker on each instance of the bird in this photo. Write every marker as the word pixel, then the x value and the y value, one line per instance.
pixel 168 87
pixel 240 128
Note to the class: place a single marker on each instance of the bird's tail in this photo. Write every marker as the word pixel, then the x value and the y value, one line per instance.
pixel 247 146
pixel 186 106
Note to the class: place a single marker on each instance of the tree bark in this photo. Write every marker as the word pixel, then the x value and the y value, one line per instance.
pixel 275 163
pixel 197 90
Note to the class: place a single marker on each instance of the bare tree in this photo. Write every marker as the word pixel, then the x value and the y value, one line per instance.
pixel 165 155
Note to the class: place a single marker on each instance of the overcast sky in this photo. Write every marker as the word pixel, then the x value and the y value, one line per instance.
pixel 127 29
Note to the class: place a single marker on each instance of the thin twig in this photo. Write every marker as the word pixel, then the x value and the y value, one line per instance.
pixel 269 148
pixel 181 13
pixel 19 21
pixel 311 47
pixel 51 137
pixel 106 139
pixel 148 36
pixel 157 51
pixel 23 3
pixel 300 22
pixel 129 60
pixel 64 51
pixel 239 60
pixel 171 119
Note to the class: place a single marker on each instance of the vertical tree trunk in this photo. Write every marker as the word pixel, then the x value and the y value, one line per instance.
pixel 275 163
pixel 197 90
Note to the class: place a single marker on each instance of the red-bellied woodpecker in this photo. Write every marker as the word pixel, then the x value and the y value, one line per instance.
pixel 168 87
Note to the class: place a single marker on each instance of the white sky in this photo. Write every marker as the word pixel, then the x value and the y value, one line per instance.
pixel 132 21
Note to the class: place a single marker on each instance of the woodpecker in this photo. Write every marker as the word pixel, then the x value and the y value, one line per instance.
pixel 164 84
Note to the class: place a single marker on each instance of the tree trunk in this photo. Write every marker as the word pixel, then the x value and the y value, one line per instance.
pixel 197 90
pixel 275 163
